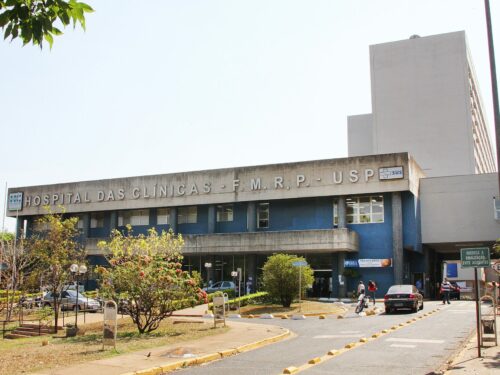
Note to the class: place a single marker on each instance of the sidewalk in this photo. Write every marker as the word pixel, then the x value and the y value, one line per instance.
pixel 467 361
pixel 240 337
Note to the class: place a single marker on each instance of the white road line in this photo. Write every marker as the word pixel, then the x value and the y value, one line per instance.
pixel 403 346
pixel 417 341
pixel 337 336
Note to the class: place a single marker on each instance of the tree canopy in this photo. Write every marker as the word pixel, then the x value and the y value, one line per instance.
pixel 281 277
pixel 33 21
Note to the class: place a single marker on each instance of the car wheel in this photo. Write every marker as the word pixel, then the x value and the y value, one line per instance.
pixel 76 308
pixel 422 306
pixel 387 310
pixel 46 304
pixel 415 308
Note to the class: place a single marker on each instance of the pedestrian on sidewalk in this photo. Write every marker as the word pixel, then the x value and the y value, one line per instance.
pixel 372 288
pixel 445 290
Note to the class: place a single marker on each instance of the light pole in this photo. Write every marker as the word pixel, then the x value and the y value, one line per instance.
pixel 77 270
pixel 208 265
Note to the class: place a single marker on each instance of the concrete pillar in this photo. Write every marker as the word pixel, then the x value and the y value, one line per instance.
pixel 19 227
pixel 251 271
pixel 212 218
pixel 173 219
pixel 335 275
pixel 86 225
pixel 397 237
pixel 113 220
pixel 341 212
pixel 340 267
pixel 251 217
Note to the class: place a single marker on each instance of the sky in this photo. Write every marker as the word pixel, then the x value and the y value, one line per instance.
pixel 156 86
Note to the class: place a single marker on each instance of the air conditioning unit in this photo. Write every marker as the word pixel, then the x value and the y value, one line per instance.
pixel 496 208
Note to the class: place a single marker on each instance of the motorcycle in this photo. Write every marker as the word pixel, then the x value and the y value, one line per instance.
pixel 362 303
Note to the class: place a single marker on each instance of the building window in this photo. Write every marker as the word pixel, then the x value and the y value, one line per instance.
pixel 335 212
pixel 367 209
pixel 97 220
pixel 163 216
pixel 187 215
pixel 224 212
pixel 263 215
pixel 80 222
pixel 133 217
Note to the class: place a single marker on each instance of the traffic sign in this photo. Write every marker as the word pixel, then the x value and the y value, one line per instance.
pixel 299 263
pixel 496 266
pixel 475 257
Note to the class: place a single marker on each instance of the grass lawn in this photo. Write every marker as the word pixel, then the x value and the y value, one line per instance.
pixel 26 355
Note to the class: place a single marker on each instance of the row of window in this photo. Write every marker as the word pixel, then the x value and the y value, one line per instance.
pixel 359 210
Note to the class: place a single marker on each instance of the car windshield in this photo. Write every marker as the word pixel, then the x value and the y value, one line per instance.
pixel 72 293
pixel 399 289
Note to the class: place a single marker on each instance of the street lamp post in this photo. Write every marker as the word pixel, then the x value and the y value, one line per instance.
pixel 77 270
pixel 208 265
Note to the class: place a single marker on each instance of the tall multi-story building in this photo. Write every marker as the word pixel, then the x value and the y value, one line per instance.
pixel 425 101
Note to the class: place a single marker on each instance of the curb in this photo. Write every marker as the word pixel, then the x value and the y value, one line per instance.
pixel 161 369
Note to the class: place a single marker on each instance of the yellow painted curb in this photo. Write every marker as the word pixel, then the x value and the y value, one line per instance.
pixel 150 371
pixel 385 331
pixel 394 327
pixel 314 361
pixel 322 317
pixel 350 346
pixel 206 358
pixel 290 370
pixel 409 321
pixel 284 316
pixel 401 324
pixel 229 352
pixel 364 339
pixel 333 352
pixel 414 319
pixel 375 335
pixel 340 317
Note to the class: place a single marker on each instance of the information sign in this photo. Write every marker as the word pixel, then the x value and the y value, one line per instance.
pixel 300 263
pixel 15 202
pixel 475 257
pixel 110 324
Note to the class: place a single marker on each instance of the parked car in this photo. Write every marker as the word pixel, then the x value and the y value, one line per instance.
pixel 403 297
pixel 220 286
pixel 70 301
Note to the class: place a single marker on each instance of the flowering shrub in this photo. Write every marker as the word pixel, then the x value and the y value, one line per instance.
pixel 146 271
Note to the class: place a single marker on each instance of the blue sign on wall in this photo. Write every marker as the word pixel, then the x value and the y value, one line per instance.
pixel 451 270
pixel 351 263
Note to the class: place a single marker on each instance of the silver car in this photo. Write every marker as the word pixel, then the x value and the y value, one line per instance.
pixel 68 300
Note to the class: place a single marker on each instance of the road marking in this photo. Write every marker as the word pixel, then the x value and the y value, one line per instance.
pixel 337 336
pixel 403 346
pixel 419 341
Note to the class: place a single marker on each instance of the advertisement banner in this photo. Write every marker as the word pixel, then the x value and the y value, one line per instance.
pixel 367 263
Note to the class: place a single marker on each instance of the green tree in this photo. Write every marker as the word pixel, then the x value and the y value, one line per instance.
pixel 34 20
pixel 55 248
pixel 281 277
pixel 145 270
pixel 6 236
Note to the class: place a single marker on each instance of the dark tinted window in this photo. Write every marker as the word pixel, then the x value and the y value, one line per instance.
pixel 398 289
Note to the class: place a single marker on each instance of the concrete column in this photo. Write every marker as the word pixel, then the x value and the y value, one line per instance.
pixel 341 211
pixel 397 237
pixel 19 226
pixel 173 219
pixel 113 220
pixel 251 271
pixel 86 225
pixel 335 275
pixel 212 218
pixel 340 267
pixel 251 217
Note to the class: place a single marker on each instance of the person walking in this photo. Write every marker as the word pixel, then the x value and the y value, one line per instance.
pixel 446 289
pixel 372 288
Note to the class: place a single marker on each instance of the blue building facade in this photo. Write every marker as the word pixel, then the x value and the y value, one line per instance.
pixel 352 219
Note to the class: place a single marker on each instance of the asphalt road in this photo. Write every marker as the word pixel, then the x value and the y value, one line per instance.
pixel 416 348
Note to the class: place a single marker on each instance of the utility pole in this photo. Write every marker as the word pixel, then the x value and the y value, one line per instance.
pixel 494 87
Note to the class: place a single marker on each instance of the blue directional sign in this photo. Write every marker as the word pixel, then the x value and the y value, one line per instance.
pixel 299 263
